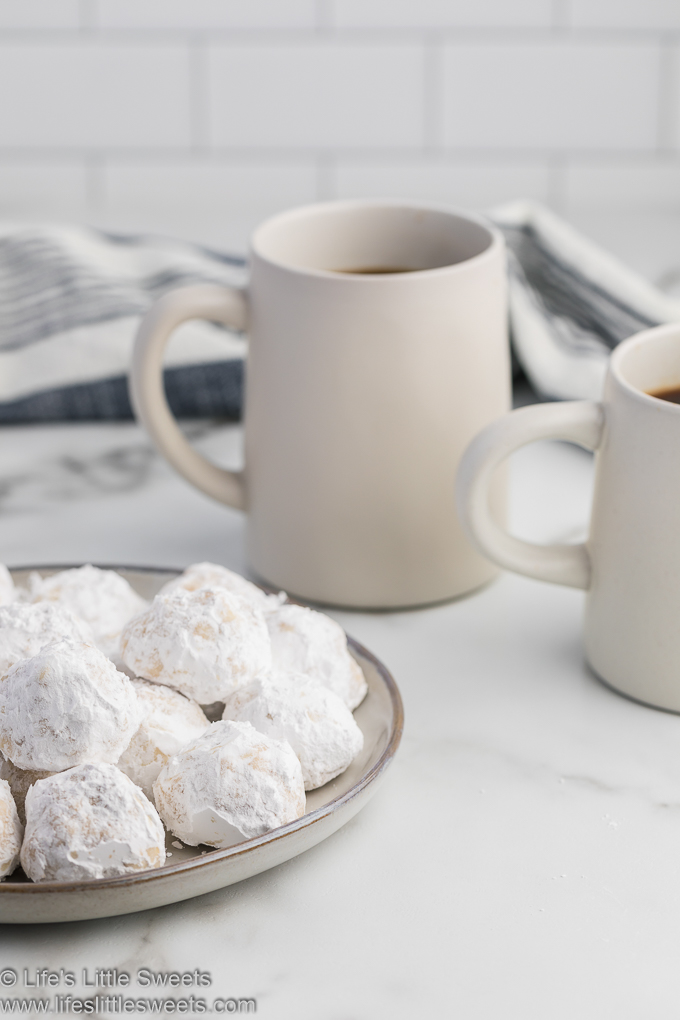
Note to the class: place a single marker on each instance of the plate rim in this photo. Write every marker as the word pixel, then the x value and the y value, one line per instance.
pixel 217 856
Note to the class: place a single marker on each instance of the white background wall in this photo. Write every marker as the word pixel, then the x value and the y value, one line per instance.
pixel 204 116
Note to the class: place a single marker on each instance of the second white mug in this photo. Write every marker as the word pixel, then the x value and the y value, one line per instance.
pixel 378 348
pixel 630 564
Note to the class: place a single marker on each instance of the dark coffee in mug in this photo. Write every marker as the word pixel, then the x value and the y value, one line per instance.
pixel 376 270
pixel 673 394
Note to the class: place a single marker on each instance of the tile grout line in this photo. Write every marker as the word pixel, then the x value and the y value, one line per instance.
pixel 199 96
pixel 560 14
pixel 667 99
pixel 557 182
pixel 95 187
pixel 286 36
pixel 326 183
pixel 87 15
pixel 323 15
pixel 275 155
pixel 433 95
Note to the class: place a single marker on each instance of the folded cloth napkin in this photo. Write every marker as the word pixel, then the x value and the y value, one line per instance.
pixel 71 299
pixel 70 302
pixel 571 302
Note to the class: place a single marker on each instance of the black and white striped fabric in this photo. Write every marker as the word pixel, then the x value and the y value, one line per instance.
pixel 71 300
pixel 70 303
pixel 571 302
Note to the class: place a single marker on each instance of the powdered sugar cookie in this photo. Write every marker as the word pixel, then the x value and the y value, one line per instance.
pixel 304 641
pixel 212 575
pixel 20 781
pixel 204 643
pixel 230 784
pixel 25 628
pixel 171 722
pixel 66 705
pixel 102 598
pixel 11 831
pixel 316 723
pixel 89 822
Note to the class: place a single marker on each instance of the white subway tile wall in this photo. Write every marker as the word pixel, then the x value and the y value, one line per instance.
pixel 655 14
pixel 316 95
pixel 670 107
pixel 638 183
pixel 210 199
pixel 39 14
pixel 94 96
pixel 173 14
pixel 202 117
pixel 47 190
pixel 475 185
pixel 560 97
pixel 442 13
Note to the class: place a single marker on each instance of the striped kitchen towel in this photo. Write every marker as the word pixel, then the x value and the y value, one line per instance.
pixel 71 299
pixel 571 302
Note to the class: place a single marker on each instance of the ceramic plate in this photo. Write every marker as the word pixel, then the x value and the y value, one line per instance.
pixel 193 871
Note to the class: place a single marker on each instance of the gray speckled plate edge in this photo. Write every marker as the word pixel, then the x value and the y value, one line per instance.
pixel 25 902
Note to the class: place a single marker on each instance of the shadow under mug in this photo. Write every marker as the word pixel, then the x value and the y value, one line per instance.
pixel 377 349
pixel 630 564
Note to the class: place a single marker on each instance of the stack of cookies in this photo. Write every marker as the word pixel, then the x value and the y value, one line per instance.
pixel 207 712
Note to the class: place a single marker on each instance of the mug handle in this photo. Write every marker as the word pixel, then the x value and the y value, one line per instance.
pixel 580 422
pixel 203 301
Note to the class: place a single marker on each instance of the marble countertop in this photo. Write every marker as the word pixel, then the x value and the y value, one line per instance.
pixel 522 857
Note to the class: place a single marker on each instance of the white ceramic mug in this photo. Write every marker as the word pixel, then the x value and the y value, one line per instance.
pixel 363 388
pixel 630 564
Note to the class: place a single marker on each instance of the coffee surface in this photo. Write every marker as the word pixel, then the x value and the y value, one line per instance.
pixel 672 394
pixel 376 270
